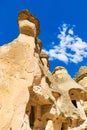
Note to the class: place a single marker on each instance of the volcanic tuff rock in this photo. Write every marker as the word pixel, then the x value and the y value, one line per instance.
pixel 81 77
pixel 31 97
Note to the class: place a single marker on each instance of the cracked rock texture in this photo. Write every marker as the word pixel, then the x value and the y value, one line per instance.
pixel 33 98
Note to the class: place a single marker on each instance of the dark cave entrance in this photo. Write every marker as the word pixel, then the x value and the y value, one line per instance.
pixel 74 103
pixel 32 116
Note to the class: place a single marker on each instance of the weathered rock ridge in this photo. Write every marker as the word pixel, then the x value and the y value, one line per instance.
pixel 33 98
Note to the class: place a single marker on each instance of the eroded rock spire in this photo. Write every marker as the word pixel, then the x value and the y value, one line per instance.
pixel 28 23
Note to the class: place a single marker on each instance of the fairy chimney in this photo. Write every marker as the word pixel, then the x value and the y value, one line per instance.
pixel 28 23
pixel 81 77
pixel 44 58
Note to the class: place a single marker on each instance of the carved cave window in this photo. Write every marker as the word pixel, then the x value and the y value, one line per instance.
pixel 32 116
pixel 74 103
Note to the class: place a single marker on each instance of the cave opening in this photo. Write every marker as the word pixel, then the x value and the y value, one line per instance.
pixel 74 103
pixel 32 116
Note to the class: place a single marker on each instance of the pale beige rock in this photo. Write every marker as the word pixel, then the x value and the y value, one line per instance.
pixel 17 76
pixel 17 71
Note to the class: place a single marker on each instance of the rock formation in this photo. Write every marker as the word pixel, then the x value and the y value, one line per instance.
pixel 31 97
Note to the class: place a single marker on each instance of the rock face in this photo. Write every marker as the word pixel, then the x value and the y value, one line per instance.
pixel 31 97
pixel 81 77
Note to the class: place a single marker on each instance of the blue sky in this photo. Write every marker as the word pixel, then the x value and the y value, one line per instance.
pixel 63 26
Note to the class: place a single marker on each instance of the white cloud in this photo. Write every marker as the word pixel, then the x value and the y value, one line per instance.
pixel 53 43
pixel 70 47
